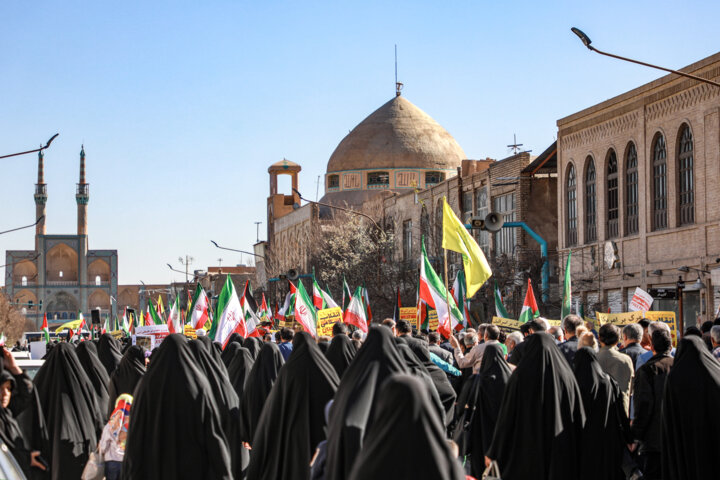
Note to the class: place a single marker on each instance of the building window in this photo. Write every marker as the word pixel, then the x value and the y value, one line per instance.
pixel 685 177
pixel 30 305
pixel 482 210
pixel 590 203
pixel 378 179
pixel 467 206
pixel 631 195
pixel 333 181
pixel 504 206
pixel 613 207
pixel 659 167
pixel 433 178
pixel 407 240
pixel 60 274
pixel 98 281
pixel 571 238
pixel 24 281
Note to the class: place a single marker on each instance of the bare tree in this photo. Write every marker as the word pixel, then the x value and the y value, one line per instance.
pixel 12 322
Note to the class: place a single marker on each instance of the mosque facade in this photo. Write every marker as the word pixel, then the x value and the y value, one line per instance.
pixel 61 276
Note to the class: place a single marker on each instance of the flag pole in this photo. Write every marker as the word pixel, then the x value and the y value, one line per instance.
pixel 447 291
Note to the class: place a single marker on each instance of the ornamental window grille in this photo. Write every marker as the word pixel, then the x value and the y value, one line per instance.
pixel 571 221
pixel 613 203
pixel 590 203
pixel 659 190
pixel 686 187
pixel 631 191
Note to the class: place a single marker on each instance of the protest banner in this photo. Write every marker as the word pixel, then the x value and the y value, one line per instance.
pixel 619 319
pixel 189 332
pixel 156 333
pixel 117 334
pixel 409 314
pixel 554 323
pixel 641 301
pixel 506 323
pixel 667 318
pixel 432 320
pixel 326 318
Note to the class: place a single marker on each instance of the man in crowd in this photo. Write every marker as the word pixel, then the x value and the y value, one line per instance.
pixel 339 328
pixel 434 347
pixel 390 323
pixel 616 364
pixel 286 346
pixel 557 334
pixel 512 341
pixel 474 357
pixel 644 357
pixel 715 339
pixel 403 329
pixel 569 324
pixel 632 336
pixel 647 400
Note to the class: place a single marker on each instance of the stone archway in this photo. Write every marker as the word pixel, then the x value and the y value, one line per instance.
pixel 62 303
pixel 62 264
pixel 99 272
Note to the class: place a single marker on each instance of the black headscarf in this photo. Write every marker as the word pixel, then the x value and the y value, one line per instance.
pixel 72 413
pixel 213 348
pixel 356 399
pixel 175 430
pixel 323 346
pixel 87 354
pixel 227 355
pixel 292 423
pixel 418 369
pixel 690 423
pixel 10 432
pixel 404 427
pixel 108 350
pixel 257 388
pixel 236 338
pixel 340 353
pixel 254 345
pixel 227 401
pixel 239 370
pixel 126 377
pixel 488 389
pixel 606 426
pixel 442 384
pixel 541 415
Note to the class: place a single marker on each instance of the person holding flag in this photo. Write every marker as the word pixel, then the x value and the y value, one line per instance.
pixel 355 313
pixel 433 292
pixel 174 322
pixel 45 330
pixel 500 310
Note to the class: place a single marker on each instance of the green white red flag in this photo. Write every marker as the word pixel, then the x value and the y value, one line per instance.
pixel 305 313
pixel 530 308
pixel 460 298
pixel 264 313
pixel 346 296
pixel 435 295
pixel 355 313
pixel 499 307
pixel 229 316
pixel 156 318
pixel 175 323
pixel 200 307
pixel 251 320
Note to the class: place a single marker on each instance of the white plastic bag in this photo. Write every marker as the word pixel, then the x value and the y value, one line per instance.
pixel 95 467
pixel 492 472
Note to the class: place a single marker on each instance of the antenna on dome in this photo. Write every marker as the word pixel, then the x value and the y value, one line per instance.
pixel 515 147
pixel 398 85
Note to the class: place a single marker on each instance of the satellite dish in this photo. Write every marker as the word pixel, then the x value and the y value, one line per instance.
pixel 610 256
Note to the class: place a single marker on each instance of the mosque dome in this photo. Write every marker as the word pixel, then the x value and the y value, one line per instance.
pixel 397 135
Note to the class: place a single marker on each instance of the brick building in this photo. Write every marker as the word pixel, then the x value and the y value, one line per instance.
pixel 639 195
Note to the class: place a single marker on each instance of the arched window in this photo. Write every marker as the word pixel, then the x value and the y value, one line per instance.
pixel 631 190
pixel 686 184
pixel 613 204
pixel 98 281
pixel 571 229
pixel 60 274
pixel 659 170
pixel 590 203
pixel 24 281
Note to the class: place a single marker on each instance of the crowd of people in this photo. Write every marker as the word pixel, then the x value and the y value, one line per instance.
pixel 544 402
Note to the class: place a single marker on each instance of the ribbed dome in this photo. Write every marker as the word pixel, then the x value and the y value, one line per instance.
pixel 397 135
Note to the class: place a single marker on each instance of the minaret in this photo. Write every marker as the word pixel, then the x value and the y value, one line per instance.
pixel 82 196
pixel 40 199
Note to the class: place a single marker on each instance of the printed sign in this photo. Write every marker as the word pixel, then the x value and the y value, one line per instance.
pixel 190 332
pixel 641 301
pixel 409 314
pixel 619 319
pixel 506 323
pixel 156 332
pixel 665 317
pixel 326 318
pixel 432 320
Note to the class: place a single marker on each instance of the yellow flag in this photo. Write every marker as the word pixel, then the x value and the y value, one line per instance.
pixel 458 239
pixel 160 308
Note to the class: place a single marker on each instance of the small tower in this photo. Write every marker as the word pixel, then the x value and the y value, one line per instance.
pixel 280 204
pixel 82 196
pixel 40 199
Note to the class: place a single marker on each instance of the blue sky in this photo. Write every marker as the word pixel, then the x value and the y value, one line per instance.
pixel 183 105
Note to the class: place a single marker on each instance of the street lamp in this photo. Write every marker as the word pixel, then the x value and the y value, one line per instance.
pixel 47 145
pixel 235 250
pixel 26 226
pixel 349 210
pixel 588 43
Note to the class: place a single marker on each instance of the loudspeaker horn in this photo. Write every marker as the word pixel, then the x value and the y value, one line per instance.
pixel 493 222
pixel 293 274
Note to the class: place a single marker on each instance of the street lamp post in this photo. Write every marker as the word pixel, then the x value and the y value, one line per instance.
pixel 348 210
pixel 47 145
pixel 587 42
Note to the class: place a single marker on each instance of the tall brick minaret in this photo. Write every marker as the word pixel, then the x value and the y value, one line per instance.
pixel 40 199
pixel 82 196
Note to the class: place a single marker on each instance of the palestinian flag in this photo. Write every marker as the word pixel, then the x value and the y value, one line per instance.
pixel 264 313
pixel 398 306
pixel 318 300
pixel 228 316
pixel 530 308
pixel 287 306
pixel 45 330
pixel 200 306
pixel 247 302
pixel 346 296
pixel 124 325
pixel 434 293
pixel 305 313
pixel 458 293
pixel 355 313
pixel 174 323
pixel 499 307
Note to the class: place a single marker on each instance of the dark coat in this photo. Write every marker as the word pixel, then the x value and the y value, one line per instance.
pixel 648 399
pixel 569 348
pixel 633 350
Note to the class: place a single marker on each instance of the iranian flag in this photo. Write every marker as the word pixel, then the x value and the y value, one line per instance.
pixel 305 313
pixel 287 306
pixel 459 296
pixel 366 302
pixel 148 319
pixel 355 313
pixel 45 329
pixel 530 308
pixel 228 316
pixel 105 327
pixel 321 298
pixel 346 296
pixel 499 307
pixel 200 304
pixel 175 323
pixel 435 295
